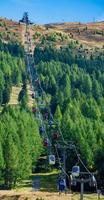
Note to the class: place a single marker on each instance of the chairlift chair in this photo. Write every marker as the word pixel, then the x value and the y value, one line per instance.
pixel 36 81
pixel 45 116
pixel 92 182
pixel 75 171
pixel 42 105
pixel 40 92
pixel 73 180
pixel 41 130
pixel 34 110
pixel 50 123
pixel 33 96
pixel 52 159
pixel 45 142
pixel 38 116
pixel 55 135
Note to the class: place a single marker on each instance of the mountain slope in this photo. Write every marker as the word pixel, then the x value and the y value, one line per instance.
pixel 89 34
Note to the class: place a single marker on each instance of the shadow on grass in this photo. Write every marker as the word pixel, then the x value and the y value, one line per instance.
pixel 24 184
pixel 48 182
pixel 16 197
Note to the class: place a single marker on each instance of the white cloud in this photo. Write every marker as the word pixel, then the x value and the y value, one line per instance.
pixel 100 18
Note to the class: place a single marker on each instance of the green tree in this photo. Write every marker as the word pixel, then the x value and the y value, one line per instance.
pixel 58 115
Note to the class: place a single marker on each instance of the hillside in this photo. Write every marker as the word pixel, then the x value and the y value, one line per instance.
pixel 89 34
pixel 63 81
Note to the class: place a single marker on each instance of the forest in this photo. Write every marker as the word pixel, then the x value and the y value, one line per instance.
pixel 74 85
pixel 12 69
pixel 20 142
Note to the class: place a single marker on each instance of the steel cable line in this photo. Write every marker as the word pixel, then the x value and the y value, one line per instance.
pixel 53 117
pixel 50 110
pixel 60 164
pixel 91 174
pixel 31 77
pixel 58 128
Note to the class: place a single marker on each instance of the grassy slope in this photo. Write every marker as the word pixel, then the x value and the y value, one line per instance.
pixel 90 34
pixel 15 93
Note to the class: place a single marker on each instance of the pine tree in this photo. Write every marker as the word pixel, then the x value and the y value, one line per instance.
pixel 11 161
pixel 58 115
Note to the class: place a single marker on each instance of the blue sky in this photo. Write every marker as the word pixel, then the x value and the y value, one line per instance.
pixel 46 11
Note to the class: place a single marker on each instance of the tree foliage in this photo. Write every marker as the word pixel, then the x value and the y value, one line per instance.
pixel 12 68
pixel 76 86
pixel 20 145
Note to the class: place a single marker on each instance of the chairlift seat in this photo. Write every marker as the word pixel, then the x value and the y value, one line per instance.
pixel 55 136
pixel 34 110
pixel 92 182
pixel 33 96
pixel 41 129
pixel 52 159
pixel 75 171
pixel 45 142
pixel 73 180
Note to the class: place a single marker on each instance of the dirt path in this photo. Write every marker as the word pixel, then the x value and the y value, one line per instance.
pixel 13 195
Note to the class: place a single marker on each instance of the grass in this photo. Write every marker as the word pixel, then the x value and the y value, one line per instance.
pixel 14 96
pixel 49 181
pixel 15 93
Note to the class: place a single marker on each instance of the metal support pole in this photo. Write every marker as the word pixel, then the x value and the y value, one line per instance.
pixel 98 192
pixel 82 189
pixel 64 159
pixel 64 166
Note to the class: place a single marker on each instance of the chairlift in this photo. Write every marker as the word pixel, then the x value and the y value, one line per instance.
pixel 42 105
pixel 55 135
pixel 36 81
pixel 39 93
pixel 45 142
pixel 27 34
pixel 75 171
pixel 33 95
pixel 38 116
pixel 50 123
pixel 61 184
pixel 31 87
pixel 52 159
pixel 36 95
pixel 41 130
pixel 34 110
pixel 92 182
pixel 45 116
pixel 73 180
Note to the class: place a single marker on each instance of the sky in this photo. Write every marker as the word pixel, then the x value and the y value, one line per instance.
pixel 49 11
